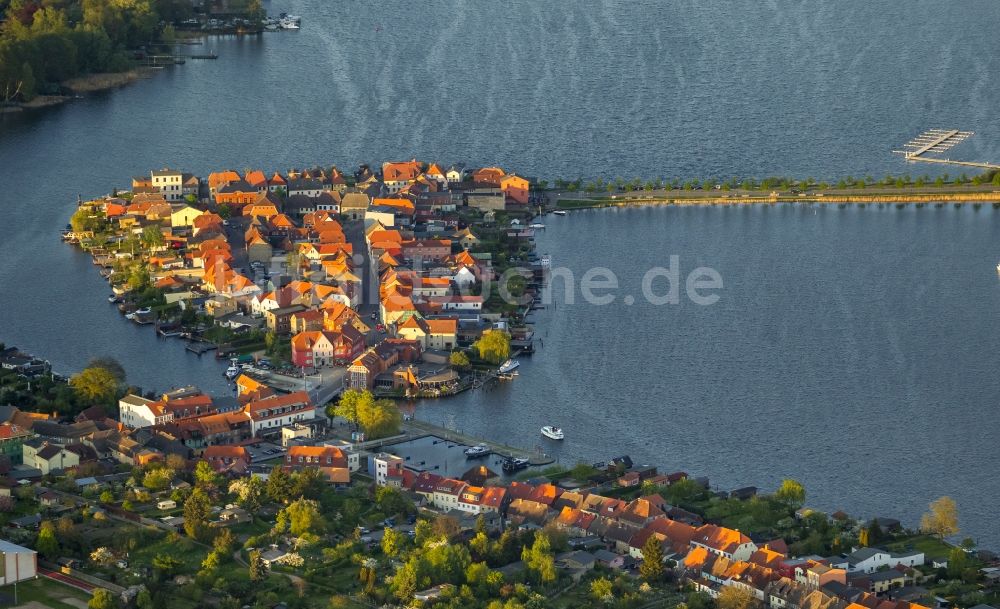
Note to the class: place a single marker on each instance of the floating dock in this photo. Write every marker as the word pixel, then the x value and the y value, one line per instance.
pixel 937 141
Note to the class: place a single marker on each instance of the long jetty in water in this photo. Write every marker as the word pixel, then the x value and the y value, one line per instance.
pixel 935 141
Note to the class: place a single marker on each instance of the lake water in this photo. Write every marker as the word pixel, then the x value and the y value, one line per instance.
pixel 851 349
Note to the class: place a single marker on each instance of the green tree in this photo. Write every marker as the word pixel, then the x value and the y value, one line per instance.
pixel 602 589
pixel 493 346
pixel 651 568
pixel 205 476
pixel 735 597
pixel 791 493
pixel 699 600
pixel 392 542
pixel 95 385
pixel 258 569
pixel 539 560
pixel 391 501
pixel 152 236
pixel 110 364
pixel 958 561
pixel 864 540
pixel 347 406
pixel 582 472
pixel 196 511
pixel 379 418
pixel 301 517
pixel 102 599
pixel 279 485
pixel 158 479
pixel 423 531
pixel 167 564
pixel 249 492
pixel 458 359
pixel 224 542
pixel 84 219
pixel 144 600
pixel 942 519
pixel 308 482
pixel 47 544
pixel 404 582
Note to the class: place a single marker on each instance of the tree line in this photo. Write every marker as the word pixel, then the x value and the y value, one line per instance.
pixel 619 184
pixel 44 42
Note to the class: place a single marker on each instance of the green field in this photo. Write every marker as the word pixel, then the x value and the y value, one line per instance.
pixel 48 593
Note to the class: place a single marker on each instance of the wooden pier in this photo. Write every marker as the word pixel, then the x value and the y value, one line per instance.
pixel 936 141
pixel 200 347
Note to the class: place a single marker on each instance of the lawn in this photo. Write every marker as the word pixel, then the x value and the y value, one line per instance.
pixel 931 546
pixel 183 549
pixel 47 592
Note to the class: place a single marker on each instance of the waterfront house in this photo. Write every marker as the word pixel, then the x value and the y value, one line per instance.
pixel 869 560
pixel 382 465
pixel 312 349
pixel 441 334
pixel 329 460
pixel 397 175
pixel 455 173
pixel 269 415
pixel 169 183
pixel 217 180
pixel 491 176
pixel 136 411
pixel 277 183
pixel 515 189
pixel 724 542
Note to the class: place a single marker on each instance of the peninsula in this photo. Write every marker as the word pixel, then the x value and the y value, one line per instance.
pixel 413 282
pixel 330 293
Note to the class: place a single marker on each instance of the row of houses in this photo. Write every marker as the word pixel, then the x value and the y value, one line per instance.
pixel 708 555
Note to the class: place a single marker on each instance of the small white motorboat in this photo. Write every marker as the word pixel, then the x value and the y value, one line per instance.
pixel 559 212
pixel 509 366
pixel 537 225
pixel 998 267
pixel 233 371
pixel 552 432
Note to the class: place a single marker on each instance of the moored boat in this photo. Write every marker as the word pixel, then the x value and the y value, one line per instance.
pixel 474 452
pixel 509 366
pixel 559 212
pixel 511 464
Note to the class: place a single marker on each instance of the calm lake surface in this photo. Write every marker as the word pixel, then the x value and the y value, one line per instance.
pixel 852 349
